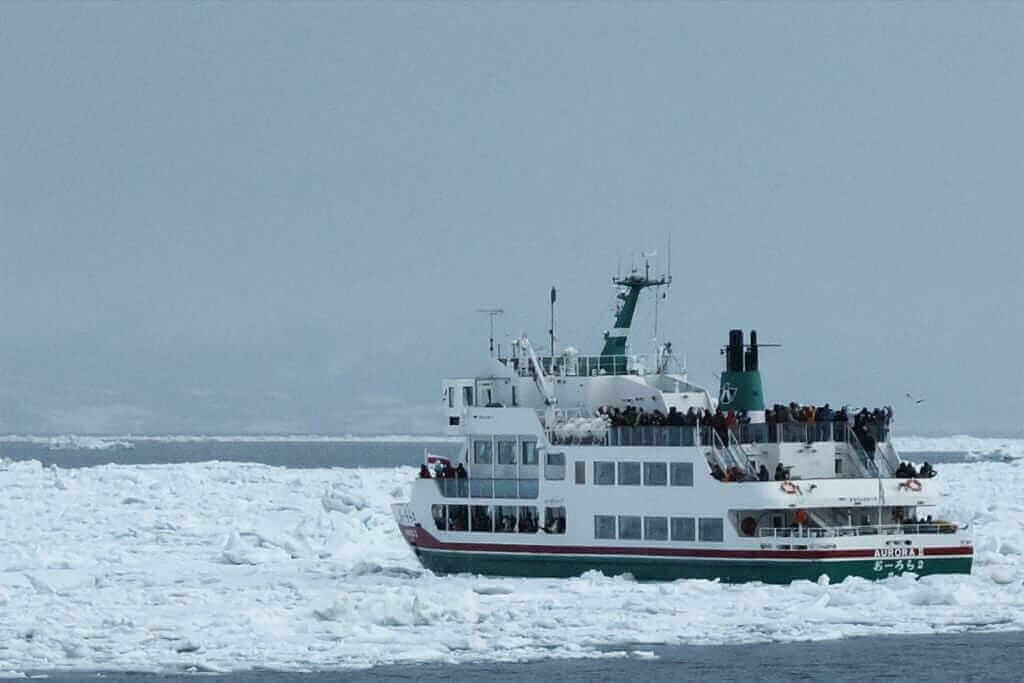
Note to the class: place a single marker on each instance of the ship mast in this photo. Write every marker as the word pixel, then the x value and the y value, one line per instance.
pixel 615 339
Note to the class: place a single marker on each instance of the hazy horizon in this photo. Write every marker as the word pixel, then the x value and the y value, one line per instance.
pixel 228 219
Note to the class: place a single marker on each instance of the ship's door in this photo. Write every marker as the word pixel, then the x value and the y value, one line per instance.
pixel 484 393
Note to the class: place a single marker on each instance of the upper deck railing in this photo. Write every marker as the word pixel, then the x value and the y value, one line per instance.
pixel 675 435
pixel 937 527
pixel 586 366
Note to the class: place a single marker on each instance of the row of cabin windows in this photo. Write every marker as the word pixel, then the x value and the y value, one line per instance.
pixel 467 396
pixel 636 528
pixel 521 519
pixel 483 451
pixel 633 473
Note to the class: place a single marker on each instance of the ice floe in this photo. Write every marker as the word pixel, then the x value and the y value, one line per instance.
pixel 221 566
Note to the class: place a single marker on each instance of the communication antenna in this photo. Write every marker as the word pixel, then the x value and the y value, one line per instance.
pixel 551 331
pixel 491 312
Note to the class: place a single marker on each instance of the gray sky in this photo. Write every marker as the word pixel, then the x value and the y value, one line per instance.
pixel 245 217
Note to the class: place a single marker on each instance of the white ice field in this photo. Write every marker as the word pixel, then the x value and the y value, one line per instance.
pixel 233 566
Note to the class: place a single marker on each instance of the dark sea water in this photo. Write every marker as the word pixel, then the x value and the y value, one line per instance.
pixel 901 659
pixel 955 657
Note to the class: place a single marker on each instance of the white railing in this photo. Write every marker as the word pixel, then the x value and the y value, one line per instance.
pixel 587 366
pixel 938 527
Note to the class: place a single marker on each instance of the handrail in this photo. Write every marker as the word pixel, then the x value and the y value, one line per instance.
pixel 936 527
pixel 861 459
pixel 588 365
pixel 737 452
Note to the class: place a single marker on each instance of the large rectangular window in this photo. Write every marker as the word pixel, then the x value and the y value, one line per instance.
pixel 711 529
pixel 480 518
pixel 655 474
pixel 683 529
pixel 655 529
pixel 506 452
pixel 629 527
pixel 629 474
pixel 440 515
pixel 482 452
pixel 528 451
pixel 554 466
pixel 604 473
pixel 505 518
pixel 554 520
pixel 604 526
pixel 527 519
pixel 581 472
pixel 458 518
pixel 682 473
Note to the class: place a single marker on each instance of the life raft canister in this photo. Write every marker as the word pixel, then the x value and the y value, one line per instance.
pixel 789 487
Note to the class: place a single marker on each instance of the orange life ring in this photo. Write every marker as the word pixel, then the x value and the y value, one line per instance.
pixel 801 516
pixel 911 485
pixel 788 487
pixel 748 526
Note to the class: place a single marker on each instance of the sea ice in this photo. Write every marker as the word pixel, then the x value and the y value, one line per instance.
pixel 222 566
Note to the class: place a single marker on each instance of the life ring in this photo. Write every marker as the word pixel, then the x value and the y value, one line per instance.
pixel 789 487
pixel 801 517
pixel 911 485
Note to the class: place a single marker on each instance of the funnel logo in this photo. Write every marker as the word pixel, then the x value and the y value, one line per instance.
pixel 727 394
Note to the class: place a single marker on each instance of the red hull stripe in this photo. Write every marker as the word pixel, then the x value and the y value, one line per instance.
pixel 426 540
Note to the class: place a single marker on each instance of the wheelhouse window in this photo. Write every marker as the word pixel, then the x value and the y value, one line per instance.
pixel 527 519
pixel 481 518
pixel 604 473
pixel 581 472
pixel 554 468
pixel 554 520
pixel 682 473
pixel 482 452
pixel 711 529
pixel 655 474
pixel 439 513
pixel 506 452
pixel 604 526
pixel 629 527
pixel 528 451
pixel 655 529
pixel 683 529
pixel 629 474
pixel 467 396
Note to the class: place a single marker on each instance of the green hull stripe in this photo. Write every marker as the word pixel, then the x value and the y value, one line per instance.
pixel 670 569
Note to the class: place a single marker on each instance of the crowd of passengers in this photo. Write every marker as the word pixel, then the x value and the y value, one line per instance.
pixel 443 471
pixel 738 474
pixel 907 469
pixel 868 425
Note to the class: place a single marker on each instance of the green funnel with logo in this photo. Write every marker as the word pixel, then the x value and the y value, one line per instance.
pixel 740 387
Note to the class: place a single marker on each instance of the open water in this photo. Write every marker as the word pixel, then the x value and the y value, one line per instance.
pixel 980 656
